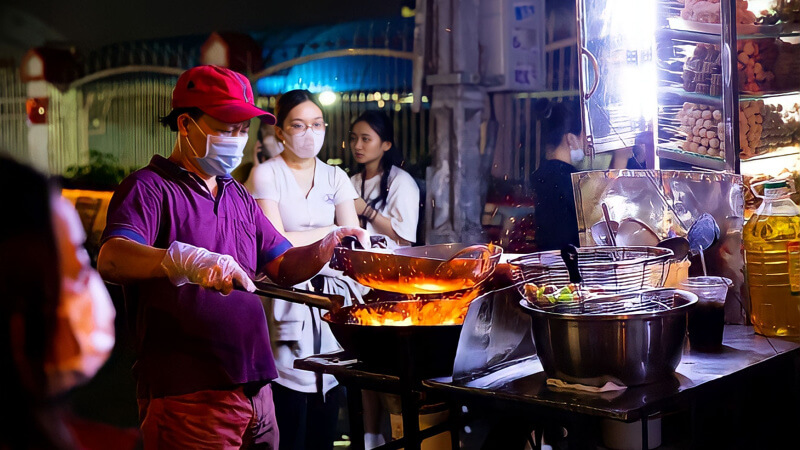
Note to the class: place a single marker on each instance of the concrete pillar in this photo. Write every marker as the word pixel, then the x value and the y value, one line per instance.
pixel 454 179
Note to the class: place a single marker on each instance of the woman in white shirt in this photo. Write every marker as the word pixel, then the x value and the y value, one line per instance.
pixel 388 202
pixel 304 198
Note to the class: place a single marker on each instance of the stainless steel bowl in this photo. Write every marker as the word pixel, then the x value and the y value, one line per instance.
pixel 627 349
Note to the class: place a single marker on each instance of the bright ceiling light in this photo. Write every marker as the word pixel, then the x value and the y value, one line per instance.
pixel 327 98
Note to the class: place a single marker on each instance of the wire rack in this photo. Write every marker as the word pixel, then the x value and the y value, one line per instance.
pixel 608 270
pixel 619 305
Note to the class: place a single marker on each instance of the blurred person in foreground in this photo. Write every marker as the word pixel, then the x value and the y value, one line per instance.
pixel 556 219
pixel 57 316
pixel 181 234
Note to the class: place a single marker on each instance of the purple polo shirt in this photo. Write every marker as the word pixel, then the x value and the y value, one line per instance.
pixel 189 338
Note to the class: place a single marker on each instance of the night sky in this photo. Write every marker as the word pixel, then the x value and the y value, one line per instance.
pixel 93 23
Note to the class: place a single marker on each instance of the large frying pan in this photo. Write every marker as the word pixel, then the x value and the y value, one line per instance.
pixel 420 351
pixel 428 269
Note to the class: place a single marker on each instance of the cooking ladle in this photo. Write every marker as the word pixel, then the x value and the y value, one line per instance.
pixel 479 251
pixel 600 232
pixel 679 246
pixel 702 235
pixel 611 237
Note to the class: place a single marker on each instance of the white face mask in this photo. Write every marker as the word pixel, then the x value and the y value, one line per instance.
pixel 223 153
pixel 306 146
pixel 272 147
pixel 576 155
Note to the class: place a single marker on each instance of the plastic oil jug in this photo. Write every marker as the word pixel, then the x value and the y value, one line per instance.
pixel 772 252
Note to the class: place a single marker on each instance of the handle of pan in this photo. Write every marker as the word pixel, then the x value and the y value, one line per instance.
pixel 570 256
pixel 323 301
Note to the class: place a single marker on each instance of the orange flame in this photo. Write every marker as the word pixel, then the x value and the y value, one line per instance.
pixel 441 311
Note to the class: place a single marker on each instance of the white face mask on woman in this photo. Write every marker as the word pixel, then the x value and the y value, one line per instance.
pixel 305 146
pixel 576 155
pixel 272 147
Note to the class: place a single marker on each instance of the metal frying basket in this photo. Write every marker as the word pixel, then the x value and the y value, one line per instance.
pixel 610 270
pixel 631 303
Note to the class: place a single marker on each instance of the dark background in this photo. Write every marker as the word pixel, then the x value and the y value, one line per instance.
pixel 89 24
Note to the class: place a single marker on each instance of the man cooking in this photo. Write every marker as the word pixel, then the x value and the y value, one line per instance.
pixel 181 234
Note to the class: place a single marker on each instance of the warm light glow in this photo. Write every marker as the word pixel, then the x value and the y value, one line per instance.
pixel 327 98
pixel 446 311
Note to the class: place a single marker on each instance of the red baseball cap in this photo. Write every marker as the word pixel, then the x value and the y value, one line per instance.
pixel 219 92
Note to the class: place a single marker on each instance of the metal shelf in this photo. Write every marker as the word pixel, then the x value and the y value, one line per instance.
pixel 780 34
pixel 689 36
pixel 782 153
pixel 765 95
pixel 667 92
pixel 694 159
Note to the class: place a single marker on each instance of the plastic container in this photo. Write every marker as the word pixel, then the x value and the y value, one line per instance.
pixel 772 252
pixel 707 318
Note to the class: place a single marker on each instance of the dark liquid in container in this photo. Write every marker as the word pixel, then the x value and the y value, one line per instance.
pixel 706 322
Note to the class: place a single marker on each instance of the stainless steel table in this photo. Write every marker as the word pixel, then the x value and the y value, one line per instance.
pixel 523 386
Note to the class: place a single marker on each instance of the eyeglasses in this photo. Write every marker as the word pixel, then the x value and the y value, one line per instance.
pixel 299 129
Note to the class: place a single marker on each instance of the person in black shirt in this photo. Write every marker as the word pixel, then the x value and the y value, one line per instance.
pixel 642 147
pixel 556 220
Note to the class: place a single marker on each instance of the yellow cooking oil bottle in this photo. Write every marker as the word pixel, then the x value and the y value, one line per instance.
pixel 772 251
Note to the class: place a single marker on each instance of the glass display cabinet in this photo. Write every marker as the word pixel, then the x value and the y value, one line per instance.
pixel 717 82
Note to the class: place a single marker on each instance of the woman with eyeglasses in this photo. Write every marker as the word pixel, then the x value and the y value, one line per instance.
pixel 305 199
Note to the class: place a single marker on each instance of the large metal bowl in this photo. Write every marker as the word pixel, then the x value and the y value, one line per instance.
pixel 629 350
pixel 429 269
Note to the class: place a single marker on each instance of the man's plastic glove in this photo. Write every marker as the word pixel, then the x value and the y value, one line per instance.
pixel 186 263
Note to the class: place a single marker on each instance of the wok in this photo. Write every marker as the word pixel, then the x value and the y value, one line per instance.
pixel 418 351
pixel 414 350
pixel 429 269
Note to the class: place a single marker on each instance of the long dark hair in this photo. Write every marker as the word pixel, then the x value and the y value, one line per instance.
pixel 289 100
pixel 381 124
